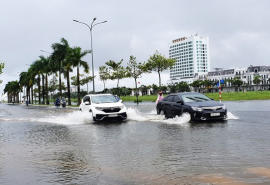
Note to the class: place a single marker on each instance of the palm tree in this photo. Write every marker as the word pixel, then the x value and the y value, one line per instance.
pixel 236 81
pixel 12 88
pixel 27 81
pixel 47 70
pixel 257 80
pixel 68 67
pixel 37 69
pixel 75 57
pixel 58 56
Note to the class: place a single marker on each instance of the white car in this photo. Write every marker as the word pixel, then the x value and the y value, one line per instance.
pixel 103 107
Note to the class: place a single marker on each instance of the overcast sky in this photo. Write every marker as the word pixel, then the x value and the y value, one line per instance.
pixel 238 31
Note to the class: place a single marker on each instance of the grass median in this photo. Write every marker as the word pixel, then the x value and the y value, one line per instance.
pixel 225 96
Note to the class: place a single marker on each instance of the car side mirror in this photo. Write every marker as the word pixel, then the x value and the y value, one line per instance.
pixel 87 103
pixel 180 102
pixel 120 101
pixel 212 98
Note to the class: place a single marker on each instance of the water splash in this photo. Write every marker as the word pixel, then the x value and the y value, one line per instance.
pixel 136 115
pixel 133 114
pixel 230 116
pixel 73 118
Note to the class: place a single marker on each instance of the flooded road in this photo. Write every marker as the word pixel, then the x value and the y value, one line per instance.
pixel 45 145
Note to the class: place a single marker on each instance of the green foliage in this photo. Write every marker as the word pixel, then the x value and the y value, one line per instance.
pixel 121 91
pixel 2 65
pixel 84 80
pixel 75 56
pixel 53 84
pixel 172 87
pixel 117 71
pixel 183 87
pixel 135 69
pixel 159 63
pixel 196 84
pixel 235 96
pixel 232 96
pixel 155 88
pixel 257 80
pixel 104 74
pixel 12 88
pixel 152 98
pixel 236 81
pixel 164 88
pixel 59 54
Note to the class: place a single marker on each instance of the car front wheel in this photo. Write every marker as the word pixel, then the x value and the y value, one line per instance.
pixel 162 113
pixel 187 112
pixel 94 118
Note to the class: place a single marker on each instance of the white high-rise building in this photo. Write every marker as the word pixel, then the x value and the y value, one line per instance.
pixel 192 56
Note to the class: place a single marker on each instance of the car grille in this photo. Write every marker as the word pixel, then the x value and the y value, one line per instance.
pixel 207 115
pixel 212 108
pixel 105 116
pixel 111 109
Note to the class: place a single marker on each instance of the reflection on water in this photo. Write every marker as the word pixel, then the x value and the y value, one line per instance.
pixel 64 146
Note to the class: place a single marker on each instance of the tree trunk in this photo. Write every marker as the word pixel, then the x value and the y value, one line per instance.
pixel 47 91
pixel 27 91
pixel 68 86
pixel 159 79
pixel 32 94
pixel 137 93
pixel 78 83
pixel 60 84
pixel 118 87
pixel 38 89
pixel 43 90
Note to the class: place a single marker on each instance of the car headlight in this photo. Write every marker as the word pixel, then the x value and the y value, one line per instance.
pixel 99 108
pixel 122 106
pixel 223 107
pixel 197 109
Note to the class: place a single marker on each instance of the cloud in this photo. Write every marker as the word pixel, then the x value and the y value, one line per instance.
pixel 238 30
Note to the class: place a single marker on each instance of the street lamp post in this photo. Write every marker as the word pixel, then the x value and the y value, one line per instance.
pixel 90 28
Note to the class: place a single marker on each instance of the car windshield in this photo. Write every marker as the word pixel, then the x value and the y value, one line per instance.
pixel 195 98
pixel 103 99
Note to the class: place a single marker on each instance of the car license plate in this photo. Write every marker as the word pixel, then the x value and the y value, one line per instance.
pixel 215 114
pixel 112 115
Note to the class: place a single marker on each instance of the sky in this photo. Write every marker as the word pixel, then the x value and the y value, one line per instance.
pixel 238 32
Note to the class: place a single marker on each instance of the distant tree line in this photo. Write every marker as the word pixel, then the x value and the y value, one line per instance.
pixel 46 73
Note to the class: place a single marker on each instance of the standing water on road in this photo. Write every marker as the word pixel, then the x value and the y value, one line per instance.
pixel 48 145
